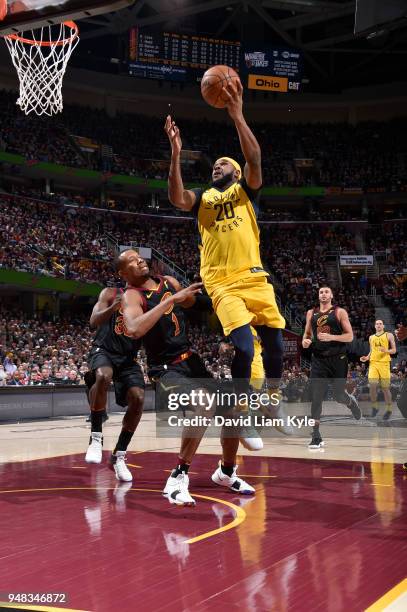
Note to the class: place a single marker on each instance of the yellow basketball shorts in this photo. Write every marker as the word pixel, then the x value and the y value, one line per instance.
pixel 379 373
pixel 247 300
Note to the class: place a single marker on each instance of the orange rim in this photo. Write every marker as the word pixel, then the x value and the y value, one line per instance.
pixel 48 43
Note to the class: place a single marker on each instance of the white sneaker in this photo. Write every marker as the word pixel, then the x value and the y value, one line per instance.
pixel 176 490
pixel 94 452
pixel 234 483
pixel 250 439
pixel 118 461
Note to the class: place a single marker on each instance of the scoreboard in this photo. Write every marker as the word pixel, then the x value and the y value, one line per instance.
pixel 182 57
pixel 273 69
pixel 167 55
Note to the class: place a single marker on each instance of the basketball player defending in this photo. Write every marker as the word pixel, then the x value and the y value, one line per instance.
pixel 231 267
pixel 113 357
pixel 382 345
pixel 153 309
pixel 328 330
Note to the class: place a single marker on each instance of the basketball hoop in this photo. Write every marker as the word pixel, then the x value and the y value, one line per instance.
pixel 40 58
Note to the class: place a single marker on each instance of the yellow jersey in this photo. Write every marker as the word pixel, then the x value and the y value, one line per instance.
pixel 230 237
pixel 376 342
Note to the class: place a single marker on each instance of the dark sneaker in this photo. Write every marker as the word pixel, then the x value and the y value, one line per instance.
pixel 354 406
pixel 387 415
pixel 316 443
pixel 375 412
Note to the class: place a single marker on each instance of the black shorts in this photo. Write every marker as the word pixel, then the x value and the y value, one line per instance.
pixel 127 373
pixel 182 377
pixel 335 366
pixel 99 357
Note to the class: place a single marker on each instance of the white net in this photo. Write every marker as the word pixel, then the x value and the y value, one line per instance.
pixel 40 58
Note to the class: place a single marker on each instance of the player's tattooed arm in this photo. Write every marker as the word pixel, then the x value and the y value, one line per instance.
pixel 248 141
pixel 109 301
pixel 177 195
pixel 307 337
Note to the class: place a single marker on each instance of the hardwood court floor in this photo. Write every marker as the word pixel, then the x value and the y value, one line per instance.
pixel 325 531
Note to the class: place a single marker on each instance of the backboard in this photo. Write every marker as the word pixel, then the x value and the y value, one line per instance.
pixel 20 15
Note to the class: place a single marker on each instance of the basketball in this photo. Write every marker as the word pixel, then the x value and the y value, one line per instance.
pixel 212 83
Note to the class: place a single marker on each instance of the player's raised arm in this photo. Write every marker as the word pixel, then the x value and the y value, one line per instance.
pixel 178 196
pixel 109 301
pixel 248 141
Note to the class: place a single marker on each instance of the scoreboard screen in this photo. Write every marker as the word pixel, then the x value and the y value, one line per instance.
pixel 273 69
pixel 178 57
pixel 182 57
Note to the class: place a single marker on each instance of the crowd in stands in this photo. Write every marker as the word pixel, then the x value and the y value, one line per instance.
pixel 48 238
pixel 390 239
pixel 37 351
pixel 57 234
pixel 43 237
pixel 297 260
pixel 46 350
pixel 394 289
pixel 147 205
pixel 367 155
pixel 36 139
